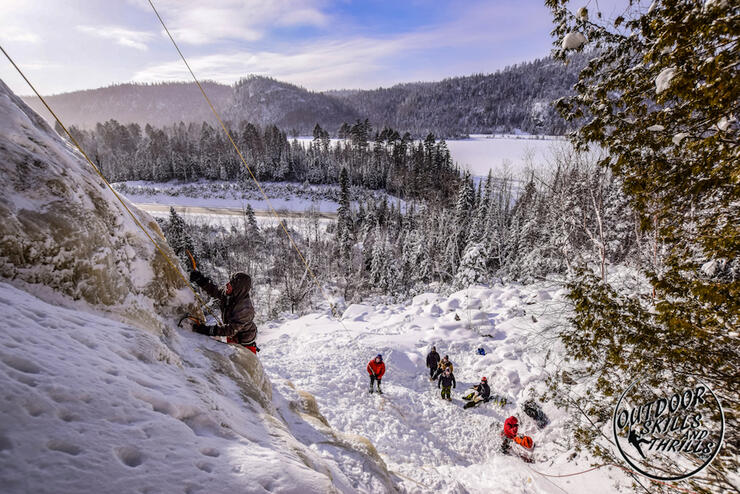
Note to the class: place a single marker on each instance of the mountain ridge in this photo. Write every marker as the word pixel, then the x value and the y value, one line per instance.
pixel 518 97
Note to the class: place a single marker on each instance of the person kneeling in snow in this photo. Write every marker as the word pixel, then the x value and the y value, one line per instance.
pixel 511 427
pixel 446 380
pixel 481 393
pixel 376 369
pixel 237 311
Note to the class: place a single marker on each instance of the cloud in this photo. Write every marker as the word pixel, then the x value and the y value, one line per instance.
pixel 201 23
pixel 18 35
pixel 122 36
pixel 359 62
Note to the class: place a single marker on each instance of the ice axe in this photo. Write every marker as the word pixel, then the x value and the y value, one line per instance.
pixel 188 316
pixel 192 260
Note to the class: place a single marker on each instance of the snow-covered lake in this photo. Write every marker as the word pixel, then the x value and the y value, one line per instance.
pixel 482 152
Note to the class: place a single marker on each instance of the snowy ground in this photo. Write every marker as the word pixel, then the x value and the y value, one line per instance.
pixel 228 217
pixel 434 445
pixel 225 194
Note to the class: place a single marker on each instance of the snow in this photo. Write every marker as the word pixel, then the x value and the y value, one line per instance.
pixel 723 124
pixel 573 41
pixel 663 81
pixel 94 405
pixel 224 194
pixel 656 128
pixel 433 445
pixel 678 138
pixel 709 4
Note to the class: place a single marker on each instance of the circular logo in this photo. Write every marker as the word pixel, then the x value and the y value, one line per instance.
pixel 668 433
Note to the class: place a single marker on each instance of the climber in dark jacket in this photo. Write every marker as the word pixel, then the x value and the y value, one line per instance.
pixel 237 311
pixel 432 362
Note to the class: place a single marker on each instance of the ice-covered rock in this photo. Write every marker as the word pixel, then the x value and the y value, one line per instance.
pixel 63 230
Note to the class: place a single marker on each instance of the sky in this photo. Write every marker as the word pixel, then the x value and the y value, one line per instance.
pixel 318 44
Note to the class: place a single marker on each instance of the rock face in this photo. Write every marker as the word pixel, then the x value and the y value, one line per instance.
pixel 63 229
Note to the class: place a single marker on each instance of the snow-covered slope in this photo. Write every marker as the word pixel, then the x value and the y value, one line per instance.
pixel 435 445
pixel 93 405
pixel 100 392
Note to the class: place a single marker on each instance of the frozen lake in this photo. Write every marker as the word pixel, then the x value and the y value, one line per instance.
pixel 514 153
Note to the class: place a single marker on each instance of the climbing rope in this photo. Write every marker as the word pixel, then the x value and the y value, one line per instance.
pixel 241 156
pixel 574 474
pixel 100 174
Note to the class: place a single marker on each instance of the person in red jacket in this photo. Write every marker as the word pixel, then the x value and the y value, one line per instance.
pixel 511 427
pixel 376 369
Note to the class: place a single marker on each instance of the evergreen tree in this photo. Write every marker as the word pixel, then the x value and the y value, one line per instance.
pixel 344 220
pixel 473 267
pixel 660 100
pixel 179 238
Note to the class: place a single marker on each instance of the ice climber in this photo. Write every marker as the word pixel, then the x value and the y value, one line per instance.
pixel 511 427
pixel 376 369
pixel 237 311
pixel 446 381
pixel 442 366
pixel 481 393
pixel 432 362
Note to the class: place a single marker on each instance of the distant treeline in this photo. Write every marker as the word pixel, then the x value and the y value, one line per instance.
pixel 375 159
pixel 574 215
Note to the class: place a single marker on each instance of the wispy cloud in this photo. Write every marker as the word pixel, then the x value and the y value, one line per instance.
pixel 200 23
pixel 18 35
pixel 122 36
pixel 359 62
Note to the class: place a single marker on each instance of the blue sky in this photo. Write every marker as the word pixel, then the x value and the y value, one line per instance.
pixel 319 44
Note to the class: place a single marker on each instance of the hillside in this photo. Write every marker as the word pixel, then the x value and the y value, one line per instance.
pixel 154 104
pixel 516 98
pixel 265 101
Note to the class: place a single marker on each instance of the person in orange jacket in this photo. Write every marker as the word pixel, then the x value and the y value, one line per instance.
pixel 376 369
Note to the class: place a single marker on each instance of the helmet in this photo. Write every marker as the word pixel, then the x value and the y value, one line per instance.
pixel 379 356
pixel 434 348
pixel 483 379
pixel 514 420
